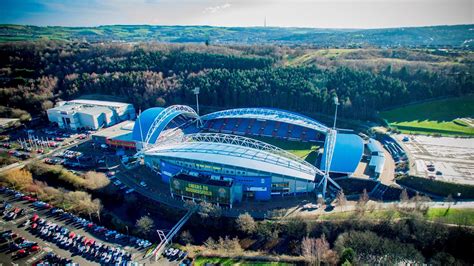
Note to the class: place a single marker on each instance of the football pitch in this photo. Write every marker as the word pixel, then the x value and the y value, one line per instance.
pixel 306 150
pixel 448 117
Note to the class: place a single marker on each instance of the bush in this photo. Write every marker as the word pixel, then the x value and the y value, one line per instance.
pixel 19 179
pixel 439 188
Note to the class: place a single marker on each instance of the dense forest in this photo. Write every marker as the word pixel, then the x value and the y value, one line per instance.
pixel 35 75
pixel 460 36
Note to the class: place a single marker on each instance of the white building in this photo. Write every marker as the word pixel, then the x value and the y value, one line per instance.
pixel 90 114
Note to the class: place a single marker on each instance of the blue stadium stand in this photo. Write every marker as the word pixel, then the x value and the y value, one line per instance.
pixel 296 133
pixel 242 127
pixel 282 131
pixel 347 154
pixel 256 127
pixel 229 126
pixel 268 129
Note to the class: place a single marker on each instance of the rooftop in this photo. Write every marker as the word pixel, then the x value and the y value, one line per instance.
pixel 116 131
pixel 100 103
pixel 378 162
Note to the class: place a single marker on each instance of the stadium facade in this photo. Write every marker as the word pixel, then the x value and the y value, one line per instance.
pixel 217 157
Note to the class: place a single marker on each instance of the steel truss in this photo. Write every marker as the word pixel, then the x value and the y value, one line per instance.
pixel 268 114
pixel 165 114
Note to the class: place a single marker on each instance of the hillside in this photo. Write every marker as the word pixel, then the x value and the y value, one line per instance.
pixel 446 36
pixel 445 117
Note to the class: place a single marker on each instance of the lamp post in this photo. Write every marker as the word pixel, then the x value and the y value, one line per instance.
pixel 336 102
pixel 196 92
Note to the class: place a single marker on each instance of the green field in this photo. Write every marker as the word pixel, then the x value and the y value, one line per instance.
pixel 464 216
pixel 435 117
pixel 451 216
pixel 200 261
pixel 304 150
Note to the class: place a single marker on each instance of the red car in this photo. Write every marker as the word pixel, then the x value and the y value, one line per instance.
pixel 35 218
pixel 35 248
pixel 29 198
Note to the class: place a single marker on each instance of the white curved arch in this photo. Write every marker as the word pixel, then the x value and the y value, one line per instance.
pixel 170 111
pixel 218 143
pixel 268 114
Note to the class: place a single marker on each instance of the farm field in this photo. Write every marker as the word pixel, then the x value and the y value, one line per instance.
pixel 446 117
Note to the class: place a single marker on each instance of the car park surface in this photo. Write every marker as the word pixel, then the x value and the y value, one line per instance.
pixel 67 235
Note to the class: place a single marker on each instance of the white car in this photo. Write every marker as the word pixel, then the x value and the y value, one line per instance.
pixel 130 190
pixel 143 184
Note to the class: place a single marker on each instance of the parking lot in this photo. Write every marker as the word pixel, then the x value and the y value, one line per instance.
pixel 441 158
pixel 66 235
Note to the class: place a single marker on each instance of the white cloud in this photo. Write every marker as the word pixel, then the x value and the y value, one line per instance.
pixel 215 9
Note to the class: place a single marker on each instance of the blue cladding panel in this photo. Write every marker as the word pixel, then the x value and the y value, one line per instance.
pixel 347 154
pixel 145 119
pixel 168 170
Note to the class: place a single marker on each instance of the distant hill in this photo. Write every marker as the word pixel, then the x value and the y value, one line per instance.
pixel 460 36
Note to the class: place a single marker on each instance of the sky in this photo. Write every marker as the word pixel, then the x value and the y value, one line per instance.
pixel 282 13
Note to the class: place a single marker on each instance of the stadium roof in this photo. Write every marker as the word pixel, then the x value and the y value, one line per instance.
pixel 152 121
pixel 378 163
pixel 374 146
pixel 347 154
pixel 236 151
pixel 268 114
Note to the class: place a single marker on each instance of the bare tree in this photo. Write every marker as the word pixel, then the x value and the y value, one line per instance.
pixel 96 180
pixel 404 196
pixel 341 199
pixel 245 223
pixel 145 225
pixel 316 250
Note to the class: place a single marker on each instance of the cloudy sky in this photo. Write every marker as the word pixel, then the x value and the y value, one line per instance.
pixel 286 13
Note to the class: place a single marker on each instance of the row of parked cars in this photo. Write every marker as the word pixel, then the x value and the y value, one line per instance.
pixel 19 246
pixel 175 254
pixel 53 259
pixel 79 222
pixel 79 245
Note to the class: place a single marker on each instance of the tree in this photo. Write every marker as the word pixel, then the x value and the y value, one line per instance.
pixel 145 225
pixel 316 250
pixel 449 199
pixel 404 196
pixel 341 199
pixel 246 224
pixel 186 237
pixel 321 202
pixel 207 210
pixel 362 202
pixel 348 255
pixel 17 178
pixel 96 180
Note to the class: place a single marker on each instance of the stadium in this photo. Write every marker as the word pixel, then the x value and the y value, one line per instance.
pixel 231 155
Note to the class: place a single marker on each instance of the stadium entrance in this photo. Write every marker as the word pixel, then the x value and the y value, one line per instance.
pixel 203 188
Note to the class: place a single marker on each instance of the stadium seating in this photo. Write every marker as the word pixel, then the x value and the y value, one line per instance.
pixel 281 133
pixel 257 125
pixel 268 129
pixel 243 126
pixel 296 133
pixel 229 126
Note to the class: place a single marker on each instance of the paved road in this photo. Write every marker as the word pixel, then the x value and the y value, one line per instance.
pixel 6 258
